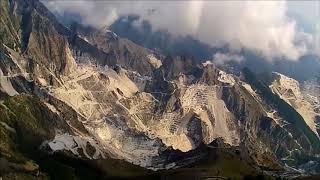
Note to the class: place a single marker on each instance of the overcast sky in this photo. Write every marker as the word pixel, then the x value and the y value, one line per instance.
pixel 308 11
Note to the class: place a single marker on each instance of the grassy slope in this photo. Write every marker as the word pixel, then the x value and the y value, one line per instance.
pixel 28 127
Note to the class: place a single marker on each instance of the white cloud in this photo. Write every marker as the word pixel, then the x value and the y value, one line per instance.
pixel 222 58
pixel 317 40
pixel 258 25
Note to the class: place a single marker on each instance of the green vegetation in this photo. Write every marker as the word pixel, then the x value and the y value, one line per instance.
pixel 23 126
pixel 9 26
pixel 25 122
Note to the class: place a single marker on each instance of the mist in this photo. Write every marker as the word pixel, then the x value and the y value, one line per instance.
pixel 263 26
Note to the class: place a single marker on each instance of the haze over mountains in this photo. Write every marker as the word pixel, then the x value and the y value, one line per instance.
pixel 275 35
pixel 249 24
pixel 128 101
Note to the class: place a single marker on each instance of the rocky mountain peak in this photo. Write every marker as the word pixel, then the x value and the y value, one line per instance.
pixel 96 98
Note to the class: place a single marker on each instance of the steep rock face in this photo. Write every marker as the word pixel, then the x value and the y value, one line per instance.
pixel 40 38
pixel 123 118
pixel 174 66
pixel 109 49
pixel 96 97
pixel 289 90
pixel 310 90
pixel 9 33
pixel 217 104
pixel 304 145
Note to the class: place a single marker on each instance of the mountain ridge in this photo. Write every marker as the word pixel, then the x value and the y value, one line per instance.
pixel 112 100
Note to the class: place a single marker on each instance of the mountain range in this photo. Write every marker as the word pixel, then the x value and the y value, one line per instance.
pixel 82 103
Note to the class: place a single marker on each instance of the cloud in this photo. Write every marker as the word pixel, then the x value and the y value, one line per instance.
pixel 316 40
pixel 222 58
pixel 262 26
